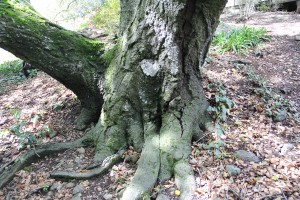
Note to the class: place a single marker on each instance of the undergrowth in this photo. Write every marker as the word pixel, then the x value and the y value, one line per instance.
pixel 219 108
pixel 274 104
pixel 27 138
pixel 11 72
pixel 239 40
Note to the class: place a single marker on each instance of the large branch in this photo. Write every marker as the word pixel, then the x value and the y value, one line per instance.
pixel 67 56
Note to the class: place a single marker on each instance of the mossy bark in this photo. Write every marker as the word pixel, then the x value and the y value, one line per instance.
pixel 153 96
pixel 65 55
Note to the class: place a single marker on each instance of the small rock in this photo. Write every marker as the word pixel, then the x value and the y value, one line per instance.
pixel 162 197
pixel 297 37
pixel 258 53
pixel 55 186
pixel 78 160
pixel 70 185
pixel 280 116
pixel 81 150
pixel 76 197
pixel 233 170
pixel 286 148
pixel 77 189
pixel 107 196
pixel 247 156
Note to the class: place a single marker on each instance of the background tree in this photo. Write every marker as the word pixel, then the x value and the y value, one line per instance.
pixel 148 87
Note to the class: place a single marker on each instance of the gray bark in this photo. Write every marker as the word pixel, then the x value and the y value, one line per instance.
pixel 153 94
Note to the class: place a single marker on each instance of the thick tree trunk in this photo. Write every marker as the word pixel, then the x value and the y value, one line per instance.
pixel 153 93
pixel 153 97
pixel 65 55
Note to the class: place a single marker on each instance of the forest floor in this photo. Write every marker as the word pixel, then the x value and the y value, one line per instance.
pixel 48 110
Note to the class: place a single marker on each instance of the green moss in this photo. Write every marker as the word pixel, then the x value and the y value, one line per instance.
pixel 111 52
pixel 115 138
pixel 110 60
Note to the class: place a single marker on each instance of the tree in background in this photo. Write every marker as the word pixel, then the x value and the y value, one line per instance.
pixel 146 92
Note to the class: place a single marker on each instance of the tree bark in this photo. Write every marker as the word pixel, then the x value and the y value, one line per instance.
pixel 153 96
pixel 153 90
pixel 67 56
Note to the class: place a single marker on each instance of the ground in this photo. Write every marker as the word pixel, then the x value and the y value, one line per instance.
pixel 44 103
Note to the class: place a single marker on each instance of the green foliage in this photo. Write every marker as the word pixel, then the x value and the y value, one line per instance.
pixel 26 138
pixel 263 8
pixel 219 102
pixel 12 72
pixel 11 67
pixel 273 102
pixel 58 106
pixel 239 40
pixel 108 17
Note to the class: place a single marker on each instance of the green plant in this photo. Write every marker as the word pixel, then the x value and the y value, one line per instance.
pixel 219 102
pixel 58 106
pixel 25 137
pixel 239 40
pixel 263 8
pixel 11 67
pixel 273 103
pixel 46 187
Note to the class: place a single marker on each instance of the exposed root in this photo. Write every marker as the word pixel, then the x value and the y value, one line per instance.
pixel 185 180
pixel 147 172
pixel 86 174
pixel 8 171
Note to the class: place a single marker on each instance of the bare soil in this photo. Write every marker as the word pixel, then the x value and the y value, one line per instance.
pixel 248 128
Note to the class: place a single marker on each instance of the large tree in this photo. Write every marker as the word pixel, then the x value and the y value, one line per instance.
pixel 145 93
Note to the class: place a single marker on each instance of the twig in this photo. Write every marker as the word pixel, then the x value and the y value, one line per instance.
pixel 234 193
pixel 283 194
pixel 272 195
pixel 202 137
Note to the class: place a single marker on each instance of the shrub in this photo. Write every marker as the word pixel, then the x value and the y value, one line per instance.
pixel 263 8
pixel 11 67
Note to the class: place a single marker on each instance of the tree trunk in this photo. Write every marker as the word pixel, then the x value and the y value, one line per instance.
pixel 67 56
pixel 153 96
pixel 153 92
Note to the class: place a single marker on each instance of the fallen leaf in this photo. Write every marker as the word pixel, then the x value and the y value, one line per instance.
pixel 177 192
